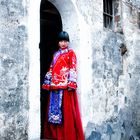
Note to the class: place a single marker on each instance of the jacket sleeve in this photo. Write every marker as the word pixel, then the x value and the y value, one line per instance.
pixel 47 79
pixel 72 78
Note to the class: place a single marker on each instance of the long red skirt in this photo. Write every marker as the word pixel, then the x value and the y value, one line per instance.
pixel 71 128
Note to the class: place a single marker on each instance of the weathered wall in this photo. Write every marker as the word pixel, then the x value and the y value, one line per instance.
pixel 110 104
pixel 108 82
pixel 14 63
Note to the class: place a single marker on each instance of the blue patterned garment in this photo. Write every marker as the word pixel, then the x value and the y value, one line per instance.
pixel 55 107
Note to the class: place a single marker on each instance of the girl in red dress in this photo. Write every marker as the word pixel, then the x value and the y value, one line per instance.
pixel 63 121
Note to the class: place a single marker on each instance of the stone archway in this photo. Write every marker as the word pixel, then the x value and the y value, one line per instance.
pixel 70 23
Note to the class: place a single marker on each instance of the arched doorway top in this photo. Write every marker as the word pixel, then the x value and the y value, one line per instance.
pixel 47 10
pixel 70 22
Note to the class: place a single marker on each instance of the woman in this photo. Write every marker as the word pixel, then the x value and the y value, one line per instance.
pixel 63 120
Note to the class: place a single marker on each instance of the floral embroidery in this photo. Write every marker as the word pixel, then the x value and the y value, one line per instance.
pixel 62 71
pixel 55 107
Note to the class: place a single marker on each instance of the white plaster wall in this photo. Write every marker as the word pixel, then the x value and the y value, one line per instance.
pixel 34 70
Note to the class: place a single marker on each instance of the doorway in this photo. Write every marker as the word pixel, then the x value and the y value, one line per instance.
pixel 50 26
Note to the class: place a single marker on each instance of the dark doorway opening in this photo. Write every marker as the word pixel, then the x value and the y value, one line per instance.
pixel 50 26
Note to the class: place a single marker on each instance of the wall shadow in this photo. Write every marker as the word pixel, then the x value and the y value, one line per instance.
pixel 50 26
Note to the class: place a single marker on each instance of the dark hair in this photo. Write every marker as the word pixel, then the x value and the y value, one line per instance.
pixel 63 36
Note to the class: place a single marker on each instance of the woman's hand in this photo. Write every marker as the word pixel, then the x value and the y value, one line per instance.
pixel 70 89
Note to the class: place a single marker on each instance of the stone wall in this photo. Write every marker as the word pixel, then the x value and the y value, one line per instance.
pixel 108 81
pixel 110 104
pixel 14 64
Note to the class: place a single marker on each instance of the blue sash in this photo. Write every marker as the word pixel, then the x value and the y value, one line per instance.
pixel 55 107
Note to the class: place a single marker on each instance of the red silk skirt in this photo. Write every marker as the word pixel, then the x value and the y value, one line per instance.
pixel 71 128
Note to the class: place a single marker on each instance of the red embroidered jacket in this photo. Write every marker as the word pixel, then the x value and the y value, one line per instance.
pixel 62 72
